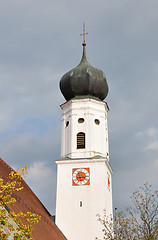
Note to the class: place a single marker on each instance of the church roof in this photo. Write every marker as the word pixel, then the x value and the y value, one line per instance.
pixel 84 80
pixel 26 201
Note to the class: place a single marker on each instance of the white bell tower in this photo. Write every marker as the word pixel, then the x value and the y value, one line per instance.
pixel 84 185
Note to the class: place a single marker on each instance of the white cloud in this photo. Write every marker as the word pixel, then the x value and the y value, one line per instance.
pixel 153 146
pixel 39 172
pixel 126 182
pixel 42 178
pixel 153 133
pixel 149 138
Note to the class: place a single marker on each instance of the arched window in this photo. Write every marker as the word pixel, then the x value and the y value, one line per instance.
pixel 81 140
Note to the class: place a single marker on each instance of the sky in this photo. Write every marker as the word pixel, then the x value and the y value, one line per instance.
pixel 40 41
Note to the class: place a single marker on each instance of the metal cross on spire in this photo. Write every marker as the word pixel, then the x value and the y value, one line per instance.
pixel 83 34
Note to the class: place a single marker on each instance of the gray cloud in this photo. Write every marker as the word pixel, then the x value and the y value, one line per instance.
pixel 39 42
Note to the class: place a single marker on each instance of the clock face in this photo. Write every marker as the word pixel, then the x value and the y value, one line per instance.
pixel 80 176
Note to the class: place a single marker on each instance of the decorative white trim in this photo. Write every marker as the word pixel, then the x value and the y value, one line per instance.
pixel 86 160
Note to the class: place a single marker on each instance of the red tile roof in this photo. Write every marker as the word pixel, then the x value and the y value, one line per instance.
pixel 45 229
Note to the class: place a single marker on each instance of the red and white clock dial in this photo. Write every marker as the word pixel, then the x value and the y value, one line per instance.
pixel 80 176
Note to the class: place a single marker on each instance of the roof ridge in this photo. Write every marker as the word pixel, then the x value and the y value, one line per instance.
pixel 28 201
pixel 22 201
pixel 3 162
pixel 50 223
pixel 31 208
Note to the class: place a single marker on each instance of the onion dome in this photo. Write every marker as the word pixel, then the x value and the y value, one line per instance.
pixel 84 81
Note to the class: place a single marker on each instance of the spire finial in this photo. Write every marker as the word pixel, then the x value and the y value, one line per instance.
pixel 83 34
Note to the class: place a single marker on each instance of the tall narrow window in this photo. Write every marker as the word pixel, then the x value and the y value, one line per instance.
pixel 81 140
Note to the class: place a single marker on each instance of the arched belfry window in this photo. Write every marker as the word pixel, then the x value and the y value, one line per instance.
pixel 81 140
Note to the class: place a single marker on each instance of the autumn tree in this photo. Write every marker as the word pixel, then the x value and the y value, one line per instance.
pixel 140 222
pixel 16 226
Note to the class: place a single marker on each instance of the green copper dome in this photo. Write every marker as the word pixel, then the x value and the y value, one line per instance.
pixel 84 80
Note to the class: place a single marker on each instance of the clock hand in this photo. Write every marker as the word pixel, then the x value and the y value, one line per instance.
pixel 81 177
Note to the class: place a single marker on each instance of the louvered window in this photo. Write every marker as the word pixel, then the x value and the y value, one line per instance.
pixel 81 140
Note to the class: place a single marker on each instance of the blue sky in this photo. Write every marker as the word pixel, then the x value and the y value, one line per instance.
pixel 40 41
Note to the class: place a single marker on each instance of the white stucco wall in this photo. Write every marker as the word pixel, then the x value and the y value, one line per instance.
pixel 6 229
pixel 76 221
pixel 96 135
pixel 81 222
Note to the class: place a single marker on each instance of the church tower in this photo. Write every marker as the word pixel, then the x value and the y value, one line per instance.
pixel 84 186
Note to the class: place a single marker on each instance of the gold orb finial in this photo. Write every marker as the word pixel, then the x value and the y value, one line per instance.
pixel 83 34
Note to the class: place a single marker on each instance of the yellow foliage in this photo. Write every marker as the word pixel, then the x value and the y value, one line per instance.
pixel 14 223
